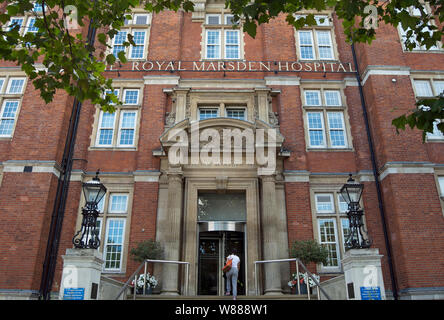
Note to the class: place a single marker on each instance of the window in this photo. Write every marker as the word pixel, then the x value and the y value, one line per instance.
pixel 405 39
pixel 119 129
pixel 208 113
pixel 332 226
pixel 113 249
pixel 31 26
pixel 325 119
pixel 7 119
pixel 316 42
pixel 221 40
pixel 138 26
pixel 131 96
pixel 236 113
pixel 38 7
pixel 230 111
pixel 441 185
pixel 26 22
pixel 15 86
pixel 11 93
pixel 426 89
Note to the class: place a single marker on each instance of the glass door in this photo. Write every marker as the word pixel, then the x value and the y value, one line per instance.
pixel 214 248
pixel 209 266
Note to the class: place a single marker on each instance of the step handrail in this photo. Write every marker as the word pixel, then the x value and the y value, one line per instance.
pixel 145 263
pixel 298 262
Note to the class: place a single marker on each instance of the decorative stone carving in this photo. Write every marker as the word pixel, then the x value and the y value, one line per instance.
pixel 199 11
pixel 170 119
pixel 273 118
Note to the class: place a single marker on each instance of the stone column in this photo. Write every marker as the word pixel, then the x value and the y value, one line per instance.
pixel 82 269
pixel 363 274
pixel 181 104
pixel 171 239
pixel 262 96
pixel 270 235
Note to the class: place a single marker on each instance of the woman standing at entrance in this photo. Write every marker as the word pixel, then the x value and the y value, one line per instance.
pixel 233 274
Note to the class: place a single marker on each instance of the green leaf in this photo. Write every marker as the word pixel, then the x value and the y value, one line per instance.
pixel 121 56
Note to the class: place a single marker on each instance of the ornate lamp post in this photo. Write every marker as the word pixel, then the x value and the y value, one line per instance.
pixel 351 191
pixel 87 236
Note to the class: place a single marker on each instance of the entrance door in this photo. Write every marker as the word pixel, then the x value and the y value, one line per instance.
pixel 214 248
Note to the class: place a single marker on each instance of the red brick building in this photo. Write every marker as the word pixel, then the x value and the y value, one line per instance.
pixel 194 68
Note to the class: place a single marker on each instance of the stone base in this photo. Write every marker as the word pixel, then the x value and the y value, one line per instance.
pixel 363 274
pixel 82 270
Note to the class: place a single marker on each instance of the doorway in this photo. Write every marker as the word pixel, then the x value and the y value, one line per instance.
pixel 214 248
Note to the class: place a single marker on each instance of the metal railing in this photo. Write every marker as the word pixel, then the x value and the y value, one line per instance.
pixel 145 264
pixel 298 262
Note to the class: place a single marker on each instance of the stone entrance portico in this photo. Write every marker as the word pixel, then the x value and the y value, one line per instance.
pixel 265 226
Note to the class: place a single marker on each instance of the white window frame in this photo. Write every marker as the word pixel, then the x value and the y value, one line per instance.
pixel 122 112
pixel 441 185
pixel 130 27
pixel 332 203
pixel 212 15
pixel 6 96
pixel 110 202
pixel 22 24
pixel 99 128
pixel 230 108
pixel 324 139
pixel 325 26
pixel 2 117
pixel 332 54
pixel 305 45
pixel 232 45
pixel 335 129
pixel 325 109
pixel 208 108
pixel 28 25
pixel 124 97
pixel 318 92
pixel 338 252
pixel 338 93
pixel 402 33
pixel 138 45
pixel 106 244
pixel 222 28
pixel 207 44
pixel 2 84
pixel 437 135
pixel 116 92
pixel 8 88
pixel 136 15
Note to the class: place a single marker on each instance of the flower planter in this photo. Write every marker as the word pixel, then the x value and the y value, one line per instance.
pixel 303 287
pixel 148 290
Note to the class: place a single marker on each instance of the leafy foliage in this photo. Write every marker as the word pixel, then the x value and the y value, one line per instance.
pixel 148 249
pixel 57 58
pixel 309 251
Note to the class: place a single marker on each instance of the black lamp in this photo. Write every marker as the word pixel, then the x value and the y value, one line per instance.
pixel 351 192
pixel 87 237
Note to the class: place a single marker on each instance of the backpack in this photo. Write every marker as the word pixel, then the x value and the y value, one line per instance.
pixel 227 266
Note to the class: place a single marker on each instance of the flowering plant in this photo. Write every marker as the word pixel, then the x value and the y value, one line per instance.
pixel 151 281
pixel 303 278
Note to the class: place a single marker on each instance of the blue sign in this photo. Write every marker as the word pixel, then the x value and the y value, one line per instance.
pixel 74 294
pixel 371 293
